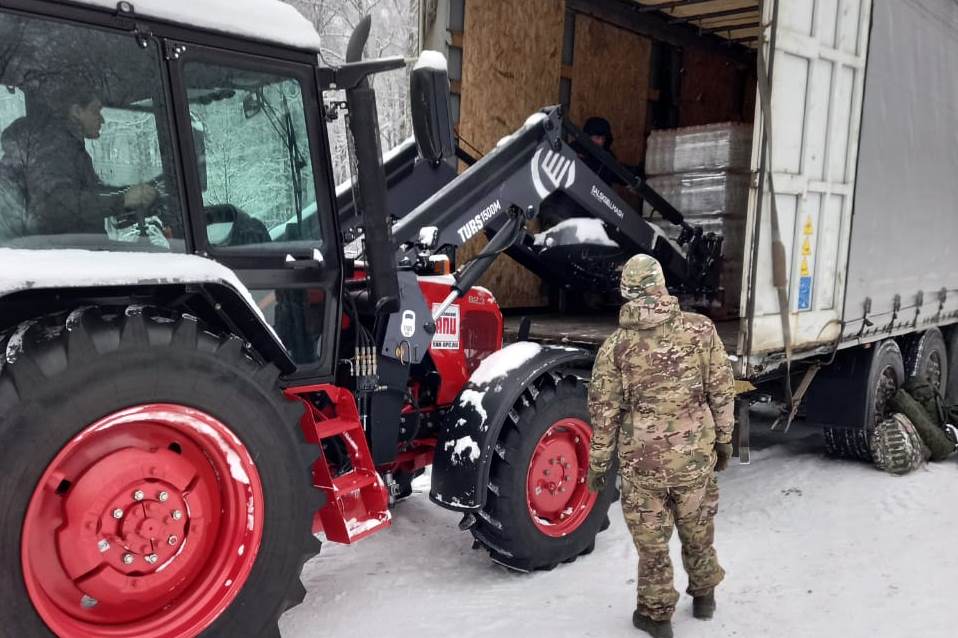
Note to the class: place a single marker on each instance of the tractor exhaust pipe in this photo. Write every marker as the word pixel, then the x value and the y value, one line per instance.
pixel 370 186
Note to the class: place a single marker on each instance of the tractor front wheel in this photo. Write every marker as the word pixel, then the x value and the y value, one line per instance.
pixel 539 511
pixel 156 482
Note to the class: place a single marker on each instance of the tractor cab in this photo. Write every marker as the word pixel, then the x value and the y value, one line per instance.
pixel 123 135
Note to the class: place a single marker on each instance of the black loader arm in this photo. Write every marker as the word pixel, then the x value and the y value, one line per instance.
pixel 522 171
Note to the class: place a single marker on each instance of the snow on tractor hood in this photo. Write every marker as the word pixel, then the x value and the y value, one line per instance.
pixel 269 20
pixel 39 269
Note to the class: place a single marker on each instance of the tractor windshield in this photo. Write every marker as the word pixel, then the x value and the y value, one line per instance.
pixel 250 135
pixel 85 145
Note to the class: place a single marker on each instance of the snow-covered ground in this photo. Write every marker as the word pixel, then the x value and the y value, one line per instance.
pixel 813 547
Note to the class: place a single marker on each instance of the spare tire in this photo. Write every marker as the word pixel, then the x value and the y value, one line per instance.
pixel 951 385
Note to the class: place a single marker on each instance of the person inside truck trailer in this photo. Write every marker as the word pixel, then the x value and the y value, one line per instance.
pixel 599 131
pixel 45 153
pixel 662 394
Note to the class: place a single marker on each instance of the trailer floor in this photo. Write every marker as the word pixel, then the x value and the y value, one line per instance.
pixel 589 331
pixel 813 547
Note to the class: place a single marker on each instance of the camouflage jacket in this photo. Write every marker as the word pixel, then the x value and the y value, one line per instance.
pixel 662 390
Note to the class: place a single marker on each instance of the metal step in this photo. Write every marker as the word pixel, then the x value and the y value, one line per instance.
pixel 357 503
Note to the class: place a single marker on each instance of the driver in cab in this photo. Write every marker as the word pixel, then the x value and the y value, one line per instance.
pixel 45 155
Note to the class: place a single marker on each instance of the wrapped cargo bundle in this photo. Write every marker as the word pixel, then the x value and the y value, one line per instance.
pixel 725 146
pixel 704 172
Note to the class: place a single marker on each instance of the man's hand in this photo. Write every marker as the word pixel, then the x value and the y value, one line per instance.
pixel 140 196
pixel 723 452
pixel 595 481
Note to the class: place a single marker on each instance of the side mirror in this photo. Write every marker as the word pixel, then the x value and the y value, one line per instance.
pixel 431 111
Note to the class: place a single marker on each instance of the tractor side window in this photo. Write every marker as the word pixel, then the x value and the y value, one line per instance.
pixel 252 146
pixel 85 149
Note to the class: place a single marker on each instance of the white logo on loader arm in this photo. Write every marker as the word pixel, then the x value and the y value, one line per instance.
pixel 549 174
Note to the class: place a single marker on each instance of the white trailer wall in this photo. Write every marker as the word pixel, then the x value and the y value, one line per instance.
pixel 816 95
pixel 905 227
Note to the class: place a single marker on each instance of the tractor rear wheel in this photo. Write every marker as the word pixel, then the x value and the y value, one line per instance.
pixel 156 481
pixel 539 511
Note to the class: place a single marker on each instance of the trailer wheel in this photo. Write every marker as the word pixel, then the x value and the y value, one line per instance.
pixel 156 483
pixel 926 355
pixel 539 512
pixel 885 375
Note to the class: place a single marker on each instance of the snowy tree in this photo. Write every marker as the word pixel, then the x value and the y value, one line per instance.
pixel 395 32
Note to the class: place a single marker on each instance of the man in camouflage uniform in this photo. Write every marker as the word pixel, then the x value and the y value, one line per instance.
pixel 662 391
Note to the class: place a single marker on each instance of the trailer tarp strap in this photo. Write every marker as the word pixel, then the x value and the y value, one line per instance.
pixel 779 267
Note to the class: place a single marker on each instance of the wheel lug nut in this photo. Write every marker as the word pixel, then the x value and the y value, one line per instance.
pixel 172 540
pixel 118 513
pixel 545 472
pixel 164 497
pixel 177 515
pixel 151 558
pixel 576 439
pixel 138 495
pixel 127 559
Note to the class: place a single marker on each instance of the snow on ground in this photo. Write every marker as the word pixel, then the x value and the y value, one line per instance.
pixel 813 547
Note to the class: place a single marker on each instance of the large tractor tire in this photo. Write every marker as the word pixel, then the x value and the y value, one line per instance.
pixel 886 373
pixel 926 355
pixel 539 511
pixel 156 482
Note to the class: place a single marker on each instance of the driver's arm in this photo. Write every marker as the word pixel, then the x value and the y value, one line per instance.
pixel 69 196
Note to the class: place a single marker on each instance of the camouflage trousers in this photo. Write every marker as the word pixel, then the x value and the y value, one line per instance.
pixel 651 515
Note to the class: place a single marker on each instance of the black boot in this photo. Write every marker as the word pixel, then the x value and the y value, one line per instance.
pixel 655 628
pixel 703 607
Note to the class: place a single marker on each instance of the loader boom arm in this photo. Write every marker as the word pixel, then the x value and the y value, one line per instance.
pixel 527 167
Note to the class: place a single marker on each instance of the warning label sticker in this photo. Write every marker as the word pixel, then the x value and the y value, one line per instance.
pixel 447 329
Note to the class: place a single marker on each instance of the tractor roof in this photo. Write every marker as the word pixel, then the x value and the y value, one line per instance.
pixel 269 20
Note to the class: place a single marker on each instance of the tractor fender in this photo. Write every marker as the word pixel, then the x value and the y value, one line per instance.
pixel 471 428
pixel 29 275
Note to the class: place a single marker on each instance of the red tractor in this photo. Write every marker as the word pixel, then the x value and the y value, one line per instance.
pixel 195 379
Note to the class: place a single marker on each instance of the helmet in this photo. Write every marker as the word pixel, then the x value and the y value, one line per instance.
pixel 642 276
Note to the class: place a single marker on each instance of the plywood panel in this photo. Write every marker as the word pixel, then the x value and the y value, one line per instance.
pixel 713 89
pixel 611 79
pixel 512 52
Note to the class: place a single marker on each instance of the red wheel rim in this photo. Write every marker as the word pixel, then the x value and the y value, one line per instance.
pixel 147 524
pixel 559 499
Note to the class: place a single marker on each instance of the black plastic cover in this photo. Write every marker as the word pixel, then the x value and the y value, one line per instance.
pixel 432 113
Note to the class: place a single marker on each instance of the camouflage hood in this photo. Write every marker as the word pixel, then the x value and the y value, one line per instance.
pixel 645 313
